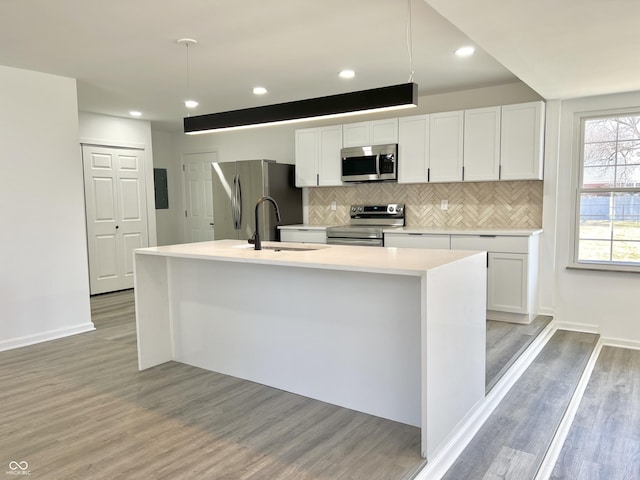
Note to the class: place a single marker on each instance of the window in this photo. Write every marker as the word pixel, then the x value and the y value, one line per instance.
pixel 608 194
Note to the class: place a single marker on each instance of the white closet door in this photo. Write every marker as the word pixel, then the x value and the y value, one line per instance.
pixel 116 214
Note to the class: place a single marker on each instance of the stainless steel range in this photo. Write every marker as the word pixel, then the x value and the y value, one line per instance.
pixel 366 225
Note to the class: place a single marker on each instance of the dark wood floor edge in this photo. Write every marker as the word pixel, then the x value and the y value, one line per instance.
pixel 437 467
pixel 552 454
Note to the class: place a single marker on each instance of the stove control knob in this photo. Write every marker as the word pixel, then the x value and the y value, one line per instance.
pixel 360 209
pixel 353 208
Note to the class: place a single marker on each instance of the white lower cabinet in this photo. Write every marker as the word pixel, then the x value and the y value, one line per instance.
pixel 303 235
pixel 507 282
pixel 417 240
pixel 512 274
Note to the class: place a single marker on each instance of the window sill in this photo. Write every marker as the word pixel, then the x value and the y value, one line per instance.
pixel 596 267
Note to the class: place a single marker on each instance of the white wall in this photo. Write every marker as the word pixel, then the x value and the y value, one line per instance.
pixel 606 302
pixel 44 279
pixel 105 130
pixel 169 223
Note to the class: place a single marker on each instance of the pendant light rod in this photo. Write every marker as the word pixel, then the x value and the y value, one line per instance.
pixel 409 41
pixel 189 102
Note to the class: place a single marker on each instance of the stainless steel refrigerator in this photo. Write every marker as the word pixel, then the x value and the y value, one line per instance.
pixel 237 186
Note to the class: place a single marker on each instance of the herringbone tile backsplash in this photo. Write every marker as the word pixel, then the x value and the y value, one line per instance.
pixel 471 205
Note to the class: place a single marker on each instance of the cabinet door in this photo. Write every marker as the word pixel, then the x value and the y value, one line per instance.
pixel 382 132
pixel 355 134
pixel 507 289
pixel 413 149
pixel 417 240
pixel 303 235
pixel 521 148
pixel 445 146
pixel 329 165
pixel 307 157
pixel 482 144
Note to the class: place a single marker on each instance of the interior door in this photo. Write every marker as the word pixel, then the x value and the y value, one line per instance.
pixel 116 213
pixel 199 221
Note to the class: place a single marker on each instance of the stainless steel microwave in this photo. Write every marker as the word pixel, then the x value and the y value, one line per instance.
pixel 370 164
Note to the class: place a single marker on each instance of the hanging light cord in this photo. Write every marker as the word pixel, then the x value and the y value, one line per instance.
pixel 409 42
pixel 188 88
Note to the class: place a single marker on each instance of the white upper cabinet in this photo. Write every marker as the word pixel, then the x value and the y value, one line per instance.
pixel 329 164
pixel 522 142
pixel 376 132
pixel 446 146
pixel 318 156
pixel 482 144
pixel 413 149
pixel 307 157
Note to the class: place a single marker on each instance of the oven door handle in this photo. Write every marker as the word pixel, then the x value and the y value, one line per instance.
pixel 364 242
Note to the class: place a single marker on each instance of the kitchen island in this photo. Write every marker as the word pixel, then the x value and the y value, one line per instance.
pixel 393 332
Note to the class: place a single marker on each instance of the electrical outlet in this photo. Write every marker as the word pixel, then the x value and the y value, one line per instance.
pixel 333 205
pixel 444 204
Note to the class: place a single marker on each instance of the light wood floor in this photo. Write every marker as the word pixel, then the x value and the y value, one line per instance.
pixel 505 343
pixel 604 440
pixel 514 440
pixel 78 408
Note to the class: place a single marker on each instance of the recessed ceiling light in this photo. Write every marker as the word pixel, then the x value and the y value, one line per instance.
pixel 465 51
pixel 190 103
pixel 259 90
pixel 135 113
pixel 347 74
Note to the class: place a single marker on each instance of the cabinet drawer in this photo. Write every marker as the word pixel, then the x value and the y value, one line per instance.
pixel 500 243
pixel 417 240
pixel 302 235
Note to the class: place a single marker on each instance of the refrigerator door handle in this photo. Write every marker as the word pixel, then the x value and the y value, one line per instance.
pixel 234 198
pixel 239 203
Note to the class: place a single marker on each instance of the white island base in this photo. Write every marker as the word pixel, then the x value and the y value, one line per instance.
pixel 396 333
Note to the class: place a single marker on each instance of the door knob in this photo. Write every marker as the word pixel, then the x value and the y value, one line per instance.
pixel 117 227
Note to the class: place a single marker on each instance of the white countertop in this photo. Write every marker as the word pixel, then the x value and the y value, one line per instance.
pixel 466 231
pixel 434 230
pixel 301 226
pixel 396 261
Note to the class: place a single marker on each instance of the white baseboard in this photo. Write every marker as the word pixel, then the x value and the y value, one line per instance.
pixel 577 327
pixel 45 336
pixel 522 318
pixel 621 343
pixel 438 466
pixel 549 312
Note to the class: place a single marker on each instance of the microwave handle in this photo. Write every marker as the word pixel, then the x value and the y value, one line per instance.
pixel 378 161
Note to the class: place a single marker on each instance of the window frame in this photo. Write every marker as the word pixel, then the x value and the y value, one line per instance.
pixel 577 182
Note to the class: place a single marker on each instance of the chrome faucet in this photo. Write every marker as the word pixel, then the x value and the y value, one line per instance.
pixel 258 243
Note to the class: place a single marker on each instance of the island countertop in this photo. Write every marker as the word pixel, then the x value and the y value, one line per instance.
pixel 389 260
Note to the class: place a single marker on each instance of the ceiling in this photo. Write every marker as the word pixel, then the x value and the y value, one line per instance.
pixel 125 56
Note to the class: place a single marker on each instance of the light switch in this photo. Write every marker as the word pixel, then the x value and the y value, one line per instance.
pixel 333 205
pixel 444 204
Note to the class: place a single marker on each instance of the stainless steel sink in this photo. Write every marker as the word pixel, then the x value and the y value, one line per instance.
pixel 283 248
pixel 290 249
